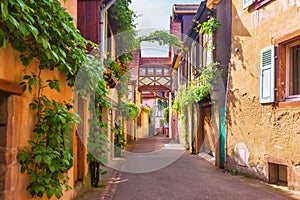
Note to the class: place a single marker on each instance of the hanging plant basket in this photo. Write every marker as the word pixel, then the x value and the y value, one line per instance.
pixel 110 79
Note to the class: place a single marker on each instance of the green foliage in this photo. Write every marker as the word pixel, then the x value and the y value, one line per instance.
pixel 121 12
pixel 123 86
pixel 97 142
pixel 123 19
pixel 89 74
pixel 89 82
pixel 166 114
pixel 184 98
pixel 134 110
pixel 147 109
pixel 43 30
pixel 120 139
pixel 208 27
pixel 203 84
pixel 129 110
pixel 48 157
pixel 163 38
pixel 199 88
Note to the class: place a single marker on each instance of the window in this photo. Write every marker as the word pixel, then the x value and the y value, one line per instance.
pixel 142 72
pixel 293 70
pixel 166 72
pixel 158 71
pixel 278 174
pixel 150 71
pixel 288 69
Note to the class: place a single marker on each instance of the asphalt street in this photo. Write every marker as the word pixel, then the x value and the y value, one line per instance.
pixel 183 176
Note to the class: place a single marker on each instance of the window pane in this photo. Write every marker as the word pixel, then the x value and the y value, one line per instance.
pixel 166 72
pixel 142 71
pixel 158 71
pixel 294 83
pixel 150 71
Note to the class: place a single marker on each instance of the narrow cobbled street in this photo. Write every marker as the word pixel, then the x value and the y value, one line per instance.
pixel 189 177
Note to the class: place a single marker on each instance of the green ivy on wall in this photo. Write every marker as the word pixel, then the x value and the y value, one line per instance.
pixel 47 158
pixel 43 30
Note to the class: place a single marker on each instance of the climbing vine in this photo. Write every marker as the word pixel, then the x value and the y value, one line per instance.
pixel 43 30
pixel 199 89
pixel 48 157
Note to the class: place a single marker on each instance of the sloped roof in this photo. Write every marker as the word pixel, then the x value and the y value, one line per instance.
pixel 185 8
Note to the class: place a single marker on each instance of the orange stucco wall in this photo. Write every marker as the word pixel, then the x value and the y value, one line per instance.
pixel 267 131
pixel 21 118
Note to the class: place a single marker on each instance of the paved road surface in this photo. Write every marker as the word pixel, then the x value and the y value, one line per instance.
pixel 188 178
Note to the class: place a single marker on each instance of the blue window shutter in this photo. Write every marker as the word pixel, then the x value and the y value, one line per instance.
pixel 267 74
pixel 247 3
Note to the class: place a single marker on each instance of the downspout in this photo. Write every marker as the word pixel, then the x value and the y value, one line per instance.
pixel 226 100
pixel 102 27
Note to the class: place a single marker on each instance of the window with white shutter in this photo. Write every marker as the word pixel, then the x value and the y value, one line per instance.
pixel 267 73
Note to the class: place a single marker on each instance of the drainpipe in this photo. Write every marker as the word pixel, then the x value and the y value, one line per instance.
pixel 102 26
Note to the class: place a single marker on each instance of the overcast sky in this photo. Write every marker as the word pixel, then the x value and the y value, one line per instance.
pixel 155 15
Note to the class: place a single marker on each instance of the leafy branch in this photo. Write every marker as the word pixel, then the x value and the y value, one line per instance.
pixel 208 27
pixel 163 38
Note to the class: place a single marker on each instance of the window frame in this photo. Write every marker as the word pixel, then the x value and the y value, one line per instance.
pixel 281 44
pixel 288 66
pixel 260 3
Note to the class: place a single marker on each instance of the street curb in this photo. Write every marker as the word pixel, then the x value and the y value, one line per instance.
pixel 110 186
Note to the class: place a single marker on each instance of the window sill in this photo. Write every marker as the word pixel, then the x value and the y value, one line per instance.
pixel 289 103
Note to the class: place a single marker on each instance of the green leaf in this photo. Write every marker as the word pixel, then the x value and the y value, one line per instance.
pixel 47 160
pixel 26 77
pixel 31 82
pixel 24 30
pixel 34 31
pixel 4 9
pixel 23 169
pixel 52 168
pixel 44 42
pixel 29 89
pixel 62 53
pixel 50 193
pixel 38 158
pixel 13 21
pixel 57 193
pixel 22 4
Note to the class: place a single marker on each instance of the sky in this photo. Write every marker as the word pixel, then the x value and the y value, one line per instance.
pixel 155 15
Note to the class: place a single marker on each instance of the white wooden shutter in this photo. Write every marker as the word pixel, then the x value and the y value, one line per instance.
pixel 247 3
pixel 267 74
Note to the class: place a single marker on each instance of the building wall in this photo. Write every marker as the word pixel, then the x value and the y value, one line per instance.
pixel 21 119
pixel 265 131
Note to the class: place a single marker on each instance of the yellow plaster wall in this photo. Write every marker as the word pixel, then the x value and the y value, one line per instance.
pixel 265 131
